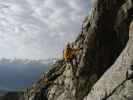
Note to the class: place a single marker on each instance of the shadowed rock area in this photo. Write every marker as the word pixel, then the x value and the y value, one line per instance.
pixel 105 68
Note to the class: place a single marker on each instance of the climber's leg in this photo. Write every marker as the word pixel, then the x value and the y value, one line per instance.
pixel 70 61
pixel 75 60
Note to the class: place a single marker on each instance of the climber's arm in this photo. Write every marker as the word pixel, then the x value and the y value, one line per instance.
pixel 76 49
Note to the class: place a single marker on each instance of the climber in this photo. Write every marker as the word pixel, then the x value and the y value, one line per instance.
pixel 70 54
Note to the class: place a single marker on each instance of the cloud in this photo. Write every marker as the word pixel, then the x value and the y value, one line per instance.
pixel 38 29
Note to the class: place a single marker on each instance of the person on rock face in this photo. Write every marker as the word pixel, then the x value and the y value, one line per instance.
pixel 70 54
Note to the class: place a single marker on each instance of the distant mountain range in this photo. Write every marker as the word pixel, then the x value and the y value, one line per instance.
pixel 12 95
pixel 3 92
pixel 18 74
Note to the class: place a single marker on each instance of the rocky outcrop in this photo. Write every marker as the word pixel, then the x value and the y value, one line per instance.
pixel 104 71
pixel 117 82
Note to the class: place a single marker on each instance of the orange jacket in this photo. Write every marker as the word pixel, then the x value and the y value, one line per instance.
pixel 69 52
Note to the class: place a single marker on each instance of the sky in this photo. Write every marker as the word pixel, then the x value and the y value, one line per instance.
pixel 39 29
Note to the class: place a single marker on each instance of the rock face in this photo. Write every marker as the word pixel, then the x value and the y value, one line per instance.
pixel 105 68
pixel 117 82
